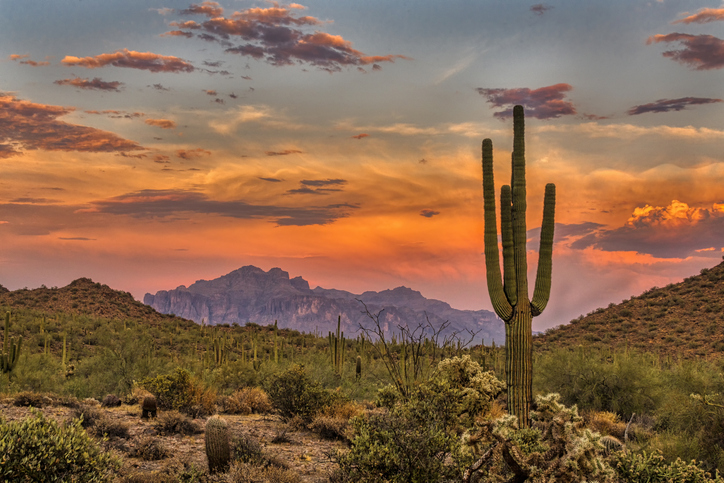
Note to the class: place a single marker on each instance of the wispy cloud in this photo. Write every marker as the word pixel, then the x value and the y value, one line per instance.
pixel 162 123
pixel 666 105
pixel 27 125
pixel 271 180
pixel 704 15
pixel 168 203
pixel 24 59
pixel 91 84
pixel 115 114
pixel 429 213
pixel 275 35
pixel 702 52
pixel 192 153
pixel 543 103
pixel 283 153
pixel 360 136
pixel 132 59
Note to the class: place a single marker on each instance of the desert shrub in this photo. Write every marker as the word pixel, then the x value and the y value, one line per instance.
pixel 246 448
pixel 108 427
pixel 181 392
pixel 149 448
pixel 293 394
pixel 42 450
pixel 241 472
pixel 605 423
pixel 111 401
pixel 418 438
pixel 30 398
pixel 652 468
pixel 333 421
pixel 174 422
pixel 246 401
pixel 88 415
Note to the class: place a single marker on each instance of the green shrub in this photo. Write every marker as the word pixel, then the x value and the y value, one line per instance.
pixel 293 394
pixel 42 450
pixel 178 391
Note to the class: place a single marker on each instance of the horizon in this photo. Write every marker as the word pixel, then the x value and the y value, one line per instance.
pixel 147 146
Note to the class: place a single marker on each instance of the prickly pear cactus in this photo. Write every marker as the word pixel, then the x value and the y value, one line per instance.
pixel 216 438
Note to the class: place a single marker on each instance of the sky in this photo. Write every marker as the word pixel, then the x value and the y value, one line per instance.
pixel 150 144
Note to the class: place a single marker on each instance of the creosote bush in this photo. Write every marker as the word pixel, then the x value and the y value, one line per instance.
pixel 181 392
pixel 42 450
pixel 293 393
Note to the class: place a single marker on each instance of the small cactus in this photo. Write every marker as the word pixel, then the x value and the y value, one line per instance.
pixel 148 407
pixel 611 444
pixel 11 349
pixel 358 369
pixel 218 451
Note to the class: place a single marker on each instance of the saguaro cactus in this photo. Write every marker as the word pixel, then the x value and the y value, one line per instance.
pixel 11 349
pixel 509 294
pixel 216 438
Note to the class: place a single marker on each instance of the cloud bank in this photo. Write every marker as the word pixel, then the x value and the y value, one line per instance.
pixel 702 52
pixel 132 59
pixel 544 103
pixel 666 105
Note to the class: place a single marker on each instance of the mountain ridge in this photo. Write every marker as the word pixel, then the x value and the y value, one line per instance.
pixel 249 294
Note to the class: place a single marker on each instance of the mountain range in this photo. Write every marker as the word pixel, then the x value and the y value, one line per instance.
pixel 250 294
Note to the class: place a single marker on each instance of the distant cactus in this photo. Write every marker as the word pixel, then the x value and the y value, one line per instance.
pixel 358 369
pixel 218 451
pixel 11 349
pixel 509 294
pixel 148 407
pixel 336 348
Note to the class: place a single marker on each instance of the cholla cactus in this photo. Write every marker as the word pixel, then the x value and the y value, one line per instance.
pixel 556 448
pixel 216 438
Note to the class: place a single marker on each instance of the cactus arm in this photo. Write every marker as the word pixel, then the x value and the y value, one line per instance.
pixel 492 258
pixel 519 204
pixel 545 254
pixel 506 229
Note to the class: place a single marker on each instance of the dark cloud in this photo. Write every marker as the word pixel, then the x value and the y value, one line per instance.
pixel 674 231
pixel 275 35
pixel 172 203
pixel 271 180
pixel 705 15
pixel 219 100
pixel 161 159
pixel 27 125
pixel 76 238
pixel 162 123
pixel 134 60
pixel 360 136
pixel 192 153
pixel 540 8
pixel 160 87
pixel 283 153
pixel 114 114
pixel 544 103
pixel 246 77
pixel 429 213
pixel 666 105
pixel 233 96
pixel 323 182
pixel 423 161
pixel 217 63
pixel 94 84
pixel 702 52
pixel 210 9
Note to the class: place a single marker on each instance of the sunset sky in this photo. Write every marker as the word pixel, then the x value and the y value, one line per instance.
pixel 151 144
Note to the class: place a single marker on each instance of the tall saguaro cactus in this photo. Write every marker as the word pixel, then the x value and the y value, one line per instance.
pixel 11 349
pixel 509 294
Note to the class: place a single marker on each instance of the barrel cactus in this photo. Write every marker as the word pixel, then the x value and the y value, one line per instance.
pixel 509 294
pixel 218 451
pixel 148 407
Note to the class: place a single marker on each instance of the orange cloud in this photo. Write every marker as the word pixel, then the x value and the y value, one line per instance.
pixel 162 123
pixel 210 92
pixel 161 158
pixel 702 52
pixel 27 125
pixel 28 62
pixel 94 84
pixel 210 9
pixel 360 136
pixel 177 33
pixel 114 114
pixel 705 15
pixel 132 59
pixel 192 153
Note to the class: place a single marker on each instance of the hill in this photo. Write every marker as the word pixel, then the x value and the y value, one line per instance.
pixel 250 294
pixel 682 319
pixel 81 297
